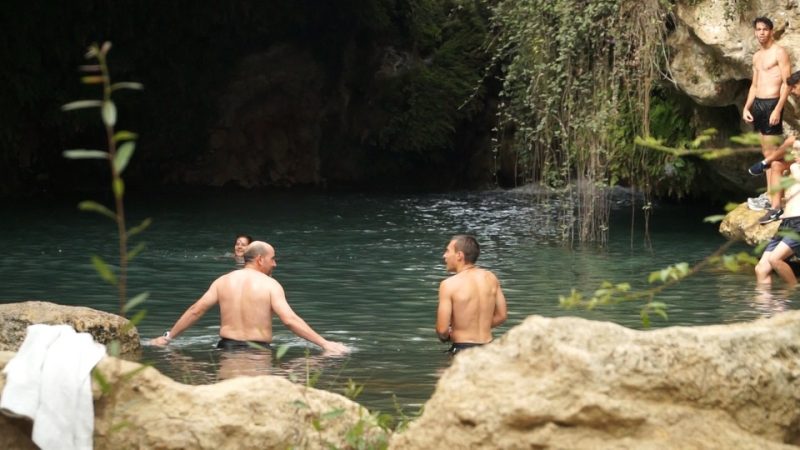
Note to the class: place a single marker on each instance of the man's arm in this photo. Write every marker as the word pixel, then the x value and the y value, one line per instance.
pixel 500 307
pixel 195 312
pixel 444 313
pixel 785 69
pixel 780 152
pixel 296 324
pixel 751 95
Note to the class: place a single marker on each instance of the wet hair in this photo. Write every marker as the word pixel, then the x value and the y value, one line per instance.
pixel 763 20
pixel 246 236
pixel 468 245
pixel 255 249
pixel 793 78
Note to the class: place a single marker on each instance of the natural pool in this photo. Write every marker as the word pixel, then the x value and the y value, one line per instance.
pixel 361 269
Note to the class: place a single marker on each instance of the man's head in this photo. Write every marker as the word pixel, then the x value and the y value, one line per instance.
pixel 260 256
pixel 462 249
pixel 763 30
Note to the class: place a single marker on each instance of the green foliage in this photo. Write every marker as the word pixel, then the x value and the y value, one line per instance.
pixel 118 158
pixel 427 102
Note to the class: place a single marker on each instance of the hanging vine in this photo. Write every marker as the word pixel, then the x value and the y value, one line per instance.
pixel 577 79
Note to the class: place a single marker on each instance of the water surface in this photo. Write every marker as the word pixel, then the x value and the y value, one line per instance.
pixel 361 269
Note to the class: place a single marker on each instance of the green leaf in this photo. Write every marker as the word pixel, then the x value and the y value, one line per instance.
pixel 81 104
pixel 119 426
pixel 136 250
pixel 123 156
pixel 104 270
pixel 109 113
pixel 124 135
pixel 332 414
pixel 118 186
pixel 139 228
pixel 133 321
pixel 105 386
pixel 135 301
pixel 281 351
pixel 89 205
pixel 654 276
pixel 85 154
pixel 300 404
pixel 113 348
pixel 92 79
pixel 127 85
pixel 714 219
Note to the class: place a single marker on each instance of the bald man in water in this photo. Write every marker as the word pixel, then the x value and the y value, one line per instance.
pixel 247 299
pixel 471 302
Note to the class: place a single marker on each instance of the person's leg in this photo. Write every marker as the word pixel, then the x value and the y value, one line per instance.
pixel 774 175
pixel 768 148
pixel 764 270
pixel 777 259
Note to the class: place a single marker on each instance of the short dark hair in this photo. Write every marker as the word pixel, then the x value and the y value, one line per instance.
pixel 763 20
pixel 793 78
pixel 468 245
pixel 246 236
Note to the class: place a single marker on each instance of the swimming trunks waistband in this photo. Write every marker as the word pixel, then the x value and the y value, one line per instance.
pixel 233 344
pixel 458 346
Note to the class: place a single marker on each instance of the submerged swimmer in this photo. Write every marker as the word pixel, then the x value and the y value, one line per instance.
pixel 241 242
pixel 471 302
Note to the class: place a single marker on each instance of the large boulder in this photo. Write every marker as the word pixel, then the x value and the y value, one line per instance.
pixel 145 409
pixel 741 224
pixel 580 384
pixel 104 327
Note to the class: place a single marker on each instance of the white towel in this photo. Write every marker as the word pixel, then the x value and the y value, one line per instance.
pixel 49 380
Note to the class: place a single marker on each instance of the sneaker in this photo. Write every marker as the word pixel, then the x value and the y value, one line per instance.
pixel 771 216
pixel 759 203
pixel 757 168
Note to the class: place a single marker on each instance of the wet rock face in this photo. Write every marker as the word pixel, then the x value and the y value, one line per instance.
pixel 104 327
pixel 580 384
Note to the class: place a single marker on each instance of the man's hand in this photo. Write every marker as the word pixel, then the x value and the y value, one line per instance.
pixel 775 117
pixel 160 341
pixel 749 117
pixel 335 348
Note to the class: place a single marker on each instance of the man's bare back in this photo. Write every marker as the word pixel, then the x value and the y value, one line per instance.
pixel 247 299
pixel 471 302
pixel 244 304
pixel 473 295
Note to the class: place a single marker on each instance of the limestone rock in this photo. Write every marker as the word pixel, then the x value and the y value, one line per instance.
pixel 104 327
pixel 741 224
pixel 246 412
pixel 713 45
pixel 579 384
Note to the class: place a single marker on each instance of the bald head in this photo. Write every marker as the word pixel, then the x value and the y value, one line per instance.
pixel 257 248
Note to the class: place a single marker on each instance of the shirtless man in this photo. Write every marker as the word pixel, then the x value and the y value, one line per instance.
pixel 764 109
pixel 471 302
pixel 247 299
pixel 782 246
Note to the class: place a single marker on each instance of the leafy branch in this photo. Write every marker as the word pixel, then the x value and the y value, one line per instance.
pixel 120 147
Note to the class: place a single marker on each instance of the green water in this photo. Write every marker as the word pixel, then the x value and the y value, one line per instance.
pixel 361 269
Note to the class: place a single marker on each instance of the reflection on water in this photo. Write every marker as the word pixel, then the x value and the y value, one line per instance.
pixel 363 270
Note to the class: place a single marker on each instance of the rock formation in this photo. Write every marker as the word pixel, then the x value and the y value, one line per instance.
pixel 149 410
pixel 741 224
pixel 713 45
pixel 104 327
pixel 579 384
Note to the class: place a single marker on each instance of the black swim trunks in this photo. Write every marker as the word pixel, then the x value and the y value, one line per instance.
pixel 458 346
pixel 788 224
pixel 233 344
pixel 761 109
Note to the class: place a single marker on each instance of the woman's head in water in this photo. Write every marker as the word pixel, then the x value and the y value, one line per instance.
pixel 242 240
